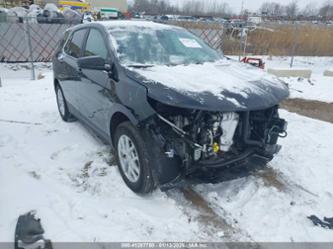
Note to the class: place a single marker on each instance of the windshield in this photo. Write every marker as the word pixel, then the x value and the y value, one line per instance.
pixel 142 46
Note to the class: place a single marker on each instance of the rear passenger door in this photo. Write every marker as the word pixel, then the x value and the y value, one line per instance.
pixel 69 57
pixel 94 87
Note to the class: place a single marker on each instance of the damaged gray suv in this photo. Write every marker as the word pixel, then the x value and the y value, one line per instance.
pixel 173 108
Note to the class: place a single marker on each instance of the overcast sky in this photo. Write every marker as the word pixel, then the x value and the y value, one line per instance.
pixel 254 5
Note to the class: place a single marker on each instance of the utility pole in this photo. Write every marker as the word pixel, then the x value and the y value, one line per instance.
pixel 28 38
pixel 242 33
pixel 242 7
pixel 295 41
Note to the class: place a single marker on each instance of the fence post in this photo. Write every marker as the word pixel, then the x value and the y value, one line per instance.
pixel 28 38
pixel 294 45
pixel 240 44
pixel 247 32
pixel 222 38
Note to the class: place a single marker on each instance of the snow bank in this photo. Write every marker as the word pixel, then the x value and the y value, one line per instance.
pixel 290 72
pixel 328 73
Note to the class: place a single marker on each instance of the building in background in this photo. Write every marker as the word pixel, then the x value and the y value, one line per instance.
pixel 98 5
pixel 43 2
pixel 74 5
pixel 254 19
pixel 108 8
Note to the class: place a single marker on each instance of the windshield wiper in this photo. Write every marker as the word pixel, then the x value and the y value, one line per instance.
pixel 139 65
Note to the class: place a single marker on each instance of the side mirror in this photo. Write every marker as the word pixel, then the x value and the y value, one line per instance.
pixel 93 62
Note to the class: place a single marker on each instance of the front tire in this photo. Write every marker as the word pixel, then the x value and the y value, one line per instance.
pixel 133 159
pixel 62 106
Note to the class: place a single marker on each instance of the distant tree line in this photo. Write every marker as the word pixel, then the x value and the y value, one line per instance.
pixel 293 10
pixel 219 8
pixel 191 7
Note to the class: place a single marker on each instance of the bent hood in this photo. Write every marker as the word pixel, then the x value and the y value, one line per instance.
pixel 225 85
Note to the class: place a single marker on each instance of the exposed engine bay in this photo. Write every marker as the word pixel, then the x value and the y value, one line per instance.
pixel 216 139
pixel 209 133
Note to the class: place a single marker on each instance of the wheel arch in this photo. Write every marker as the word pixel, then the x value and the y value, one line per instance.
pixel 164 169
pixel 119 117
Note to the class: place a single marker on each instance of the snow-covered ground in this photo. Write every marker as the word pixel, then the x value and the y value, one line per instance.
pixel 318 87
pixel 67 175
pixel 273 206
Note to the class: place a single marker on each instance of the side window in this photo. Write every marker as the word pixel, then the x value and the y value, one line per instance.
pixel 62 42
pixel 74 44
pixel 95 45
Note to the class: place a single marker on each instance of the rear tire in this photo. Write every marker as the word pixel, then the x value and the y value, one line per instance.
pixel 133 159
pixel 62 106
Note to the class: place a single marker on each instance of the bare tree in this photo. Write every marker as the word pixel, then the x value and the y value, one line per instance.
pixel 192 7
pixel 310 10
pixel 292 9
pixel 326 11
pixel 272 9
pixel 208 8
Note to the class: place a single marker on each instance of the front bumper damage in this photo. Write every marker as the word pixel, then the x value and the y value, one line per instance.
pixel 255 144
pixel 255 152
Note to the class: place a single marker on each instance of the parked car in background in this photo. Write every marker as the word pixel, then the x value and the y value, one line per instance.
pixel 35 8
pixel 164 18
pixel 50 17
pixel 109 13
pixel 186 18
pixel 19 12
pixel 51 14
pixel 88 17
pixel 34 11
pixel 72 16
pixel 172 107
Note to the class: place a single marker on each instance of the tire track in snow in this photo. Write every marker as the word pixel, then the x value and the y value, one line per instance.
pixel 215 219
pixel 217 225
pixel 274 178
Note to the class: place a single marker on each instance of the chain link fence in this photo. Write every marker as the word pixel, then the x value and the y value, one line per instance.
pixel 211 33
pixel 24 42
pixel 29 41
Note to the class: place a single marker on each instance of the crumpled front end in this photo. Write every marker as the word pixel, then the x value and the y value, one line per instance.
pixel 204 140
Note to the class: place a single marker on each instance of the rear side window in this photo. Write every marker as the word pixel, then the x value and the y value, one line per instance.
pixel 95 45
pixel 74 45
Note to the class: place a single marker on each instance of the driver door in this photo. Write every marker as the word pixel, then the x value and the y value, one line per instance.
pixel 94 87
